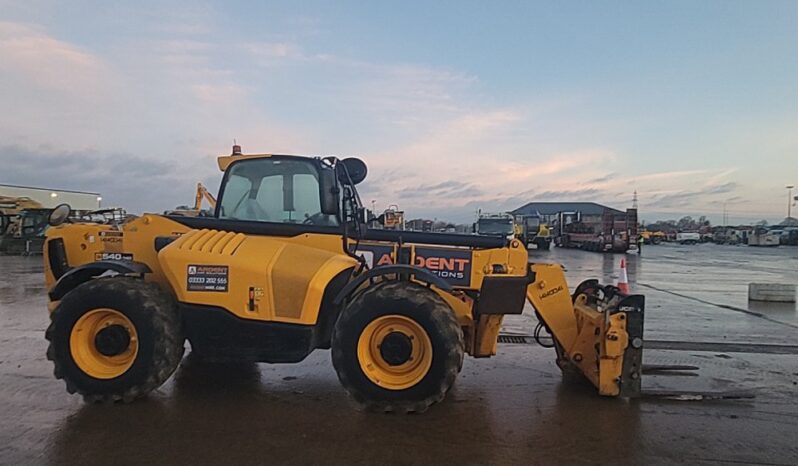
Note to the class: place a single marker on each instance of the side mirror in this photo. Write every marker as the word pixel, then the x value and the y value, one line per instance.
pixel 329 192
pixel 356 168
pixel 59 215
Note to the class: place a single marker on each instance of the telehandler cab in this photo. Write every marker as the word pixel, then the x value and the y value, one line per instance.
pixel 286 266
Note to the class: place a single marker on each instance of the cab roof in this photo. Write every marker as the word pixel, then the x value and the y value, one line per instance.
pixel 224 161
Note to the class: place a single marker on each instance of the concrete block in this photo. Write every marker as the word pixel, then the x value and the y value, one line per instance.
pixel 771 292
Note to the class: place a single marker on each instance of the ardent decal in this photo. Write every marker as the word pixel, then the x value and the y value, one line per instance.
pixel 454 266
pixel 207 278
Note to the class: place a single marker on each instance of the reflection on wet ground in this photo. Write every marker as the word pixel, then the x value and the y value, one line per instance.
pixel 511 409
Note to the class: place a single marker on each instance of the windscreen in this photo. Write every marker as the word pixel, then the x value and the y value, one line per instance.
pixel 273 190
pixel 495 227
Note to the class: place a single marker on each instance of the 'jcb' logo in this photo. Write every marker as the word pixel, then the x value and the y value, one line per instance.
pixel 552 291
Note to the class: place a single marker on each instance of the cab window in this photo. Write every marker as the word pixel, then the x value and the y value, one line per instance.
pixel 273 190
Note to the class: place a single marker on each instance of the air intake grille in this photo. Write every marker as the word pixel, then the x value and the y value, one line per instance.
pixel 212 241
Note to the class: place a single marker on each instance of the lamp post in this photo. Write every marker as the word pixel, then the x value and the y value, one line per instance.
pixel 789 200
pixel 725 215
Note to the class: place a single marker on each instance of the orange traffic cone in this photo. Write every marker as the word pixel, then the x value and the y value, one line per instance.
pixel 623 280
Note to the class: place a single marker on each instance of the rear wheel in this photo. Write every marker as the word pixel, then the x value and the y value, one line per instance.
pixel 115 339
pixel 397 347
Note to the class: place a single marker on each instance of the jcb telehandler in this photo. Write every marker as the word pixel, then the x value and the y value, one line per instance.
pixel 286 266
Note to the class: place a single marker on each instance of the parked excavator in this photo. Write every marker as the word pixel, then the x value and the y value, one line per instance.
pixel 22 225
pixel 202 193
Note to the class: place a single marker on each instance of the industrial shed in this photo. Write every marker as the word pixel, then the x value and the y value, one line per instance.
pixel 49 198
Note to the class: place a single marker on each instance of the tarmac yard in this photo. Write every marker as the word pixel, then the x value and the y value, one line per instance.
pixel 515 408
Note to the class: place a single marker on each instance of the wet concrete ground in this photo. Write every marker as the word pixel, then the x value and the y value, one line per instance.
pixel 510 409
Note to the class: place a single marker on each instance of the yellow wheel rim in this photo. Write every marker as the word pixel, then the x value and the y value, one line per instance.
pixel 394 352
pixel 104 343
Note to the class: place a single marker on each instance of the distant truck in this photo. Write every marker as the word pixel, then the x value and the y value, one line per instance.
pixel 688 238
pixel 763 238
pixel 495 225
pixel 533 231
pixel 616 232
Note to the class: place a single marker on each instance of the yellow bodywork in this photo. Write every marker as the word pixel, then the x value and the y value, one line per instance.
pixel 283 279
pixel 287 278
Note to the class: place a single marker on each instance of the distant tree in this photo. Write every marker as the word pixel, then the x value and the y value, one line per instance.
pixel 761 223
pixel 686 223
pixel 668 226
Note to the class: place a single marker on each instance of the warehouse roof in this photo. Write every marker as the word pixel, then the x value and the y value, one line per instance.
pixel 47 189
pixel 552 208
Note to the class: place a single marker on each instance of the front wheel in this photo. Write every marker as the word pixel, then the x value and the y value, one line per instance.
pixel 115 339
pixel 397 347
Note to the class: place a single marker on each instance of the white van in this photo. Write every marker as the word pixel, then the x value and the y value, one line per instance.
pixel 688 238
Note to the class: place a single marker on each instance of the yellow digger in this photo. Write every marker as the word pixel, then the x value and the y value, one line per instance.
pixel 286 266
pixel 201 194
pixel 11 208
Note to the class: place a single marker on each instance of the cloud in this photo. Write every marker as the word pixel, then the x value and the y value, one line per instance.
pixel 35 57
pixel 273 53
pixel 667 175
pixel 450 189
pixel 718 177
pixel 427 126
pixel 568 195
pixel 221 93
pixel 123 179
pixel 439 140
pixel 603 179
pixel 555 163
pixel 687 198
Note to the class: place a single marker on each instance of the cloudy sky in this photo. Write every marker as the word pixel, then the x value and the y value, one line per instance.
pixel 455 106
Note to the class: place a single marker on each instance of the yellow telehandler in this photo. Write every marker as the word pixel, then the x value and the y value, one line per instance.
pixel 285 266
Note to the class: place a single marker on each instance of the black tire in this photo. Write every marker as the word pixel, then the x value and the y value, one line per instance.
pixel 157 324
pixel 426 308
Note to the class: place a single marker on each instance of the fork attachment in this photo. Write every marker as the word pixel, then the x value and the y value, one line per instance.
pixel 597 331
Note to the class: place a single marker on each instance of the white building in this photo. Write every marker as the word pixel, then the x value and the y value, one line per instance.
pixel 49 198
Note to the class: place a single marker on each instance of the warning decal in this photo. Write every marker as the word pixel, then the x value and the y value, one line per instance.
pixel 207 278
